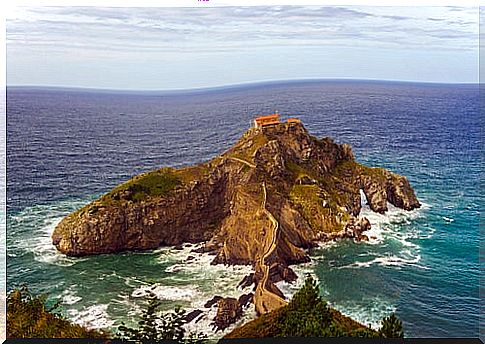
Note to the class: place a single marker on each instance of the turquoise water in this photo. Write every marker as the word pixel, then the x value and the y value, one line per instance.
pixel 67 147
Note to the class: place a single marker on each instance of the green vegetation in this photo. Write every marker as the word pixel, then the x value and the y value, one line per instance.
pixel 245 169
pixel 152 184
pixel 157 183
pixel 189 174
pixel 141 187
pixel 29 317
pixel 391 327
pixel 297 170
pixel 321 204
pixel 308 315
pixel 321 212
pixel 156 326
pixel 346 169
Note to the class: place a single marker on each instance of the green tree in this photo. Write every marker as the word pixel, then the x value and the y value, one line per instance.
pixel 391 327
pixel 307 314
pixel 155 326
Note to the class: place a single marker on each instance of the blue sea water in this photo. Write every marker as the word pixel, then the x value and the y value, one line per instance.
pixel 65 147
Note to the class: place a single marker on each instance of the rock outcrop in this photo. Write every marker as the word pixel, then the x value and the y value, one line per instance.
pixel 229 310
pixel 273 195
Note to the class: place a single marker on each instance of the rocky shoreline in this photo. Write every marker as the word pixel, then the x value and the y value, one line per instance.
pixel 276 193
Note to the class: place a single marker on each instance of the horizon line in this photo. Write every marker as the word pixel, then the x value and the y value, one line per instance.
pixel 232 85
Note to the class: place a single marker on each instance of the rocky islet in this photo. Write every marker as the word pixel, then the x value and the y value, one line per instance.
pixel 277 192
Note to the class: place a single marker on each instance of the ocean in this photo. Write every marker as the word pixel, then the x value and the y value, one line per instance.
pixel 66 147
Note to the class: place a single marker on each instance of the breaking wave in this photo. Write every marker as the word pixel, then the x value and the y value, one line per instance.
pixel 32 229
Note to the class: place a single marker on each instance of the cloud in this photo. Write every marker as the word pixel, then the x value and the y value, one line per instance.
pixel 230 28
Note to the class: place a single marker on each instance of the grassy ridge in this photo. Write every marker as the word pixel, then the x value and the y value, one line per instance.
pixel 151 184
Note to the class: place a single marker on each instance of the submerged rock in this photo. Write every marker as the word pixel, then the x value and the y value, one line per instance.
pixel 212 301
pixel 246 281
pixel 192 315
pixel 245 299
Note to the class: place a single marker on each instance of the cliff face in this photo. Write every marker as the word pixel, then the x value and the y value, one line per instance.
pixel 276 192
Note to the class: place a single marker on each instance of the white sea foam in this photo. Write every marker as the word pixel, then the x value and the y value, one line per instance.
pixel 42 247
pixel 69 296
pixel 368 311
pixel 385 227
pixel 380 223
pixel 391 260
pixel 302 271
pixel 164 292
pixel 195 280
pixel 397 230
pixel 199 268
pixel 204 322
pixel 43 219
pixel 93 317
pixel 327 244
pixel 395 225
pixel 133 309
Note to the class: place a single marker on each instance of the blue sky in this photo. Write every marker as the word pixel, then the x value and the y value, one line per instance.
pixel 177 48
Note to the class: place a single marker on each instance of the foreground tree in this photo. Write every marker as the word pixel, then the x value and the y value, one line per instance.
pixel 308 315
pixel 156 326
pixel 391 327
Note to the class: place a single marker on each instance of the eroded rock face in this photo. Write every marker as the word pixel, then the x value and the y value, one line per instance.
pixel 277 192
pixel 245 299
pixel 385 186
pixel 147 224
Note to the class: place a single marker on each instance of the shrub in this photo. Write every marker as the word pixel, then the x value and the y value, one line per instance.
pixel 391 327
pixel 29 317
pixel 156 326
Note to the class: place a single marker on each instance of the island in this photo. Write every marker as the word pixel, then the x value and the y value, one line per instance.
pixel 276 193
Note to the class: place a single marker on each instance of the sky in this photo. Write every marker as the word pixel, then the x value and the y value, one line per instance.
pixel 179 48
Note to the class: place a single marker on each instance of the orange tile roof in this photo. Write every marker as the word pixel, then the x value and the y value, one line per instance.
pixel 269 117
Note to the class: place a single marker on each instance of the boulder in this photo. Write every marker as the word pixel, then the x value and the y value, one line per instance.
pixel 229 310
